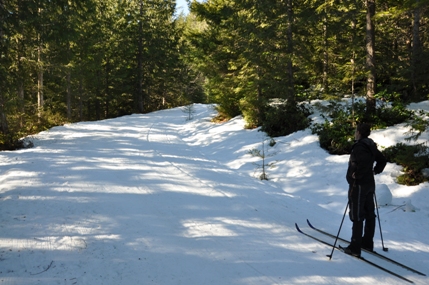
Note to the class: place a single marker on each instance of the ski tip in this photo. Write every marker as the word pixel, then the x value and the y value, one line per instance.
pixel 309 224
pixel 297 228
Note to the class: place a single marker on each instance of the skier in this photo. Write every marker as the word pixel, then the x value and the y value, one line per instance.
pixel 360 176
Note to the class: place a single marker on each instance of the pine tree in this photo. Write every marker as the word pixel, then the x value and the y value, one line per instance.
pixel 370 58
pixel 4 128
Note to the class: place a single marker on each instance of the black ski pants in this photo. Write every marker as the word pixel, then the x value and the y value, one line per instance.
pixel 361 209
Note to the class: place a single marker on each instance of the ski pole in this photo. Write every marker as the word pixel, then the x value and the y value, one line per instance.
pixel 379 224
pixel 339 230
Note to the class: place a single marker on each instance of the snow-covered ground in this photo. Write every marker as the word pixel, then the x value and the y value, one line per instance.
pixel 158 199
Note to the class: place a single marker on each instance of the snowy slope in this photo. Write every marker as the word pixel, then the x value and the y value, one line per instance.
pixel 158 199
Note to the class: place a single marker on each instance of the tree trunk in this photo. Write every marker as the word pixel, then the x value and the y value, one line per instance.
pixel 106 88
pixel 39 84
pixel 325 53
pixel 291 93
pixel 39 74
pixel 370 57
pixel 4 129
pixel 416 51
pixel 353 65
pixel 20 81
pixel 140 63
pixel 68 95
pixel 97 98
pixel 21 101
pixel 3 120
pixel 80 100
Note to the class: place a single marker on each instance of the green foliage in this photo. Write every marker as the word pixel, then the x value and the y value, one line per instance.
pixel 250 107
pixel 23 125
pixel 390 115
pixel 227 109
pixel 245 54
pixel 97 60
pixel 418 125
pixel 308 94
pixel 391 110
pixel 413 158
pixel 336 134
pixel 263 154
pixel 10 142
pixel 285 118
pixel 101 59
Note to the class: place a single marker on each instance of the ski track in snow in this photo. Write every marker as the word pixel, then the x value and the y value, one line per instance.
pixel 155 199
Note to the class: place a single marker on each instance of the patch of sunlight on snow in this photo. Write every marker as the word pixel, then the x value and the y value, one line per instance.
pixel 262 280
pixel 406 191
pixel 244 160
pixel 202 191
pixel 409 246
pixel 153 245
pixel 218 227
pixel 70 199
pixel 14 179
pixel 197 229
pixel 305 140
pixel 298 170
pixel 49 151
pixel 103 188
pixel 218 132
pixel 332 191
pixel 334 206
pixel 338 159
pixel 307 280
pixel 330 280
pixel 112 164
pixel 66 243
pixel 15 173
pixel 274 228
pixel 296 243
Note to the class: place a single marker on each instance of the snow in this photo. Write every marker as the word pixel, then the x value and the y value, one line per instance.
pixel 158 199
pixel 383 195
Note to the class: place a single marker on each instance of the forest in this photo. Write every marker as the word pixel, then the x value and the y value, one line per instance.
pixel 79 60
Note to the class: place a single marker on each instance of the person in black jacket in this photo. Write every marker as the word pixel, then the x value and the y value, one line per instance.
pixel 360 176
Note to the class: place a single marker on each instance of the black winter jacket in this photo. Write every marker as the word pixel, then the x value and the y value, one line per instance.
pixel 361 163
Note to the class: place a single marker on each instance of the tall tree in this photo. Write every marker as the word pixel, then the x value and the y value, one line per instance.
pixel 253 51
pixel 416 54
pixel 140 60
pixel 4 129
pixel 217 51
pixel 370 57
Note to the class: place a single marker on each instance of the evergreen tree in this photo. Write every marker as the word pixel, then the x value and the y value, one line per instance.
pixel 370 57
pixel 84 60
pixel 4 128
